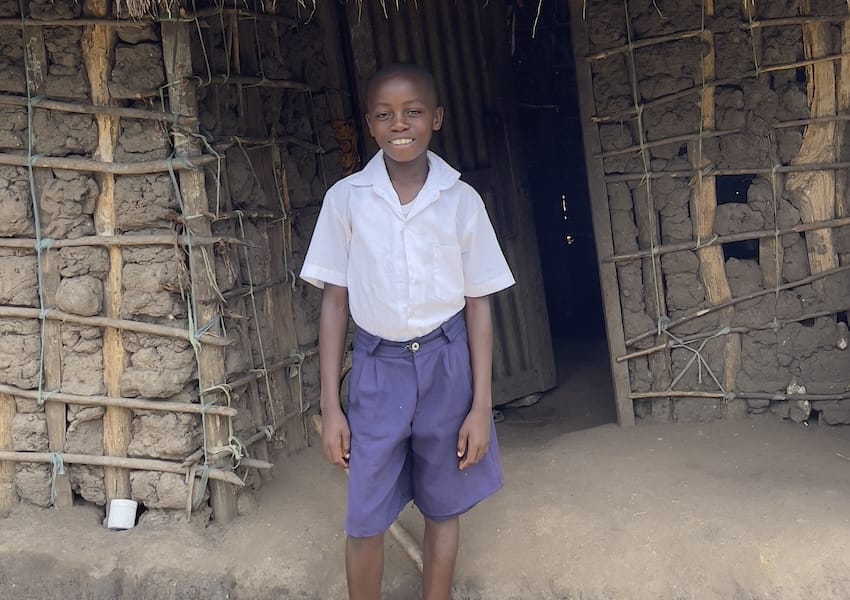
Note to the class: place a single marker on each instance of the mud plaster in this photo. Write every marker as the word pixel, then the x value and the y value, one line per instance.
pixel 152 279
pixel 157 367
pixel 138 69
pixel 66 73
pixel 165 435
pixel 144 201
pixel 12 75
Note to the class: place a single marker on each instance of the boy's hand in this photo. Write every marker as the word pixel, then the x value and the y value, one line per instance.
pixel 474 437
pixel 336 438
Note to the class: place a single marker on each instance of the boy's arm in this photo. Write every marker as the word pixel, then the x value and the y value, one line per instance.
pixel 474 437
pixel 333 326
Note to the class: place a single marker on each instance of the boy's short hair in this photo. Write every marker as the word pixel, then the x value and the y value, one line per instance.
pixel 411 70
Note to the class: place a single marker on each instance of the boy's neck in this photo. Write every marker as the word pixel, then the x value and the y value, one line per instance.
pixel 407 178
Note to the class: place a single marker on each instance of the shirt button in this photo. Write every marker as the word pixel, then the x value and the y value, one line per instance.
pixel 414 347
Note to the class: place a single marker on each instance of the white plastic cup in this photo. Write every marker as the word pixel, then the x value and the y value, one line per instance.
pixel 122 514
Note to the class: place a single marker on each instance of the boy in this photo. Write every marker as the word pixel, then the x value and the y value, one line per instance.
pixel 409 249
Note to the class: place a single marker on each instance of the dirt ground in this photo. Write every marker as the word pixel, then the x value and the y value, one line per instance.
pixel 747 509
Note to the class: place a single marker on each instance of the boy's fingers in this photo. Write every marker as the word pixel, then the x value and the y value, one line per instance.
pixel 461 443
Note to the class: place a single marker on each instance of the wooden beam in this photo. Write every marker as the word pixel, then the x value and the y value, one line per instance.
pixel 51 336
pixel 842 178
pixel 8 496
pixel 814 191
pixel 712 265
pixel 660 366
pixel 177 55
pixel 601 216
pixel 98 50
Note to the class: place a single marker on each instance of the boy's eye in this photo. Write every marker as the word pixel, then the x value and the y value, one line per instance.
pixel 383 116
pixel 414 112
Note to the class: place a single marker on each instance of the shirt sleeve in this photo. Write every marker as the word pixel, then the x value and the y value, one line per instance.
pixel 327 256
pixel 485 270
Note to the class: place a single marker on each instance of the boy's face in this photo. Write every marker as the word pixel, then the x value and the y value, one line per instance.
pixel 402 116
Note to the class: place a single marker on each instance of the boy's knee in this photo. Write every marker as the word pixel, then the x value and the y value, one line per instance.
pixel 366 542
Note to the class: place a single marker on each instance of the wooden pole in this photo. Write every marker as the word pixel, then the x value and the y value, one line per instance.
pixel 842 180
pixel 51 339
pixel 52 314
pixel 8 496
pixel 98 50
pixel 660 365
pixel 814 191
pixel 119 462
pixel 601 220
pixel 703 208
pixel 134 403
pixel 177 55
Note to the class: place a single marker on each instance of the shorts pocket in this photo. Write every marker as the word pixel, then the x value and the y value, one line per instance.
pixel 448 272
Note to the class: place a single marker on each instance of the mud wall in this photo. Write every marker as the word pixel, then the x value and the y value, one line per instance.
pixel 705 119
pixel 269 150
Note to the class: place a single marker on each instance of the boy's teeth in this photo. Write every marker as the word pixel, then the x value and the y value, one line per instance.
pixel 400 142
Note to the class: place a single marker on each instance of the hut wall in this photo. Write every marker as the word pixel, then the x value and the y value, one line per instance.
pixel 129 327
pixel 704 114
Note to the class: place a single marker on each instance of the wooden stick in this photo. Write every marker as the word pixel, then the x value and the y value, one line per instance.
pixel 258 287
pixel 725 239
pixel 688 173
pixel 704 311
pixel 91 109
pixel 255 463
pixel 177 56
pixel 146 167
pixel 126 403
pixel 702 336
pixel 782 21
pixel 122 240
pixel 674 394
pixel 98 53
pixel 804 63
pixel 48 277
pixel 705 134
pixel 643 43
pixel 19 312
pixel 8 495
pixel 282 140
pixel 738 395
pixel 247 80
pixel 120 462
pixel 407 542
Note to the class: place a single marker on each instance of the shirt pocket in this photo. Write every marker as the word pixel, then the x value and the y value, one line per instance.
pixel 448 272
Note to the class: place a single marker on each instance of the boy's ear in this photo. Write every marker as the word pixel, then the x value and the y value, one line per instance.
pixel 438 118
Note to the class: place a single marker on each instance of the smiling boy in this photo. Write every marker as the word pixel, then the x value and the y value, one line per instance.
pixel 409 250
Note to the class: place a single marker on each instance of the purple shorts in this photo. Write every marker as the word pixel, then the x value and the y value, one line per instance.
pixel 406 403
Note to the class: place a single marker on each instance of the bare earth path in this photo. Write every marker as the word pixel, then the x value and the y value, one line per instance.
pixel 751 509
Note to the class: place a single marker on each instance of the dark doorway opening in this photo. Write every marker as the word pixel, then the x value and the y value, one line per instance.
pixel 553 155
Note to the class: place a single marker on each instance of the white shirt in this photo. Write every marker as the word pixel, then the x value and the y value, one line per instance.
pixel 406 274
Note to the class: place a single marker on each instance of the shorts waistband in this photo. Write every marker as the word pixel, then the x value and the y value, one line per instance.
pixel 445 333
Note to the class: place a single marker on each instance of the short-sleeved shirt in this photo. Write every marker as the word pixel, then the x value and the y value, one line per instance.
pixel 406 274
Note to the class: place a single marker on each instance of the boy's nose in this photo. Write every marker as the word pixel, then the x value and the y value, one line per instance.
pixel 399 124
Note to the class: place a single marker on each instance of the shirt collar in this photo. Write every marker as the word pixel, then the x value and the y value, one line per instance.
pixel 441 175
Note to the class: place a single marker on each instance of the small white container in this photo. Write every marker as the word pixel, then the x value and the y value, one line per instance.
pixel 122 514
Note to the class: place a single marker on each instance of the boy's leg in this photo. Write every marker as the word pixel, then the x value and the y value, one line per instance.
pixel 441 543
pixel 364 567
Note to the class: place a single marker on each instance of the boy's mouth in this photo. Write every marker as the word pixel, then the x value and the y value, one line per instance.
pixel 401 141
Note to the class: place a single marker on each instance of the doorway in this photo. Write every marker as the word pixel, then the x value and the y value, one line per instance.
pixel 553 155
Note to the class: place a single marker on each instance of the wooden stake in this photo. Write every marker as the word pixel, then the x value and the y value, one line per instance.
pixel 8 496
pixel 176 50
pixel 703 208
pixel 51 338
pixel 119 462
pixel 127 403
pixel 125 324
pixel 653 293
pixel 602 233
pixel 814 191
pixel 98 50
